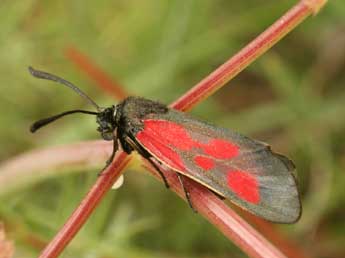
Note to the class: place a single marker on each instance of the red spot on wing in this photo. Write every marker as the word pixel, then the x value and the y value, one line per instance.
pixel 160 150
pixel 244 185
pixel 204 162
pixel 165 139
pixel 169 133
pixel 220 149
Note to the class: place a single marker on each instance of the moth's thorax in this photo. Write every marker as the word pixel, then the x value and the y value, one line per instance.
pixel 133 110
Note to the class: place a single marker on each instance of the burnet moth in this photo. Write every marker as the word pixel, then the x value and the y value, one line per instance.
pixel 233 166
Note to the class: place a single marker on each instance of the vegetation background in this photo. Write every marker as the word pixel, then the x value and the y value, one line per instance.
pixel 293 98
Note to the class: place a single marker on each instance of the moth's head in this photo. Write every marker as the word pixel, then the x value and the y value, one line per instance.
pixel 107 124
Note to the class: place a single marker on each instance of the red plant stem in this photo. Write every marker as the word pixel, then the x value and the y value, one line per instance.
pixel 222 217
pixel 215 210
pixel 289 248
pixel 89 203
pixel 243 58
pixel 108 84
pixel 24 169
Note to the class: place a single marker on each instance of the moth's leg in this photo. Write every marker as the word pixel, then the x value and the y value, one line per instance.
pixel 125 144
pixel 186 192
pixel 111 158
pixel 146 155
pixel 158 170
pixel 115 148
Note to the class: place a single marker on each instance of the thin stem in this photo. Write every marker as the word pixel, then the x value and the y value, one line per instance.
pixel 25 169
pixel 289 247
pixel 89 203
pixel 245 56
pixel 222 217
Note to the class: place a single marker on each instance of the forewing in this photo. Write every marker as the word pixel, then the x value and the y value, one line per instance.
pixel 234 166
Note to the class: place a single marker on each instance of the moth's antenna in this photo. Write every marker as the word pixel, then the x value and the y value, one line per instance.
pixel 52 77
pixel 43 122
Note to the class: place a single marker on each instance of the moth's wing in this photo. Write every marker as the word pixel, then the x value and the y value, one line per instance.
pixel 246 171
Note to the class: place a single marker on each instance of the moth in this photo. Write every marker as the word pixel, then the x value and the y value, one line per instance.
pixel 233 166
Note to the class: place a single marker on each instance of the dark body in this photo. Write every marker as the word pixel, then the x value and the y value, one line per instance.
pixel 129 117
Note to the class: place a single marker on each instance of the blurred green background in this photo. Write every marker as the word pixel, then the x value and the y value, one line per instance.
pixel 293 98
